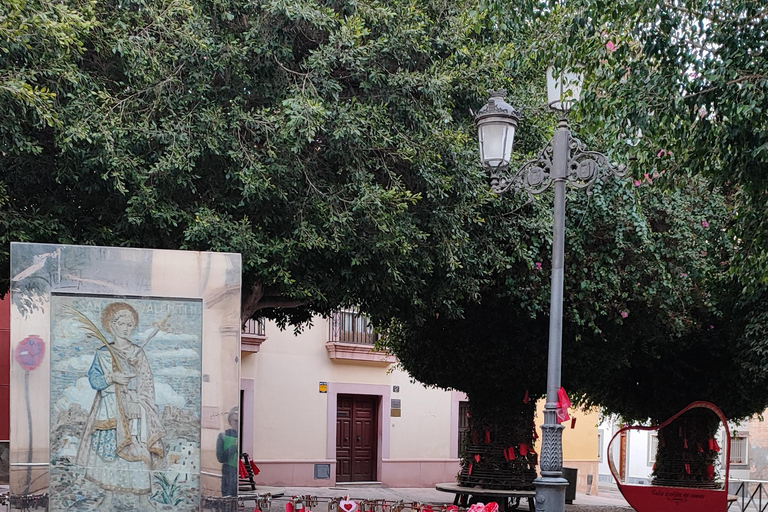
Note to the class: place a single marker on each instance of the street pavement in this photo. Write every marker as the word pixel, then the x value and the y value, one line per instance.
pixel 607 501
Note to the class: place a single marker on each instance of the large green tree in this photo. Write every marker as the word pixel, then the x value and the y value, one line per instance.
pixel 653 321
pixel 328 142
pixel 681 86
pixel 685 82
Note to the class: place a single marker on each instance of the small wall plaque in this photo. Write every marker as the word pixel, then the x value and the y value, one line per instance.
pixel 323 387
pixel 322 471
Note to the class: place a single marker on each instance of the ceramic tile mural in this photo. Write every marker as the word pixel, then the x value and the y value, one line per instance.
pixel 114 354
pixel 125 403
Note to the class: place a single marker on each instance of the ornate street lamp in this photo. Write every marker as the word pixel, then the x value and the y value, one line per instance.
pixel 496 125
pixel 563 160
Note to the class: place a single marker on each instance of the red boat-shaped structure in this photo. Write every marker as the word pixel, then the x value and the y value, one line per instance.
pixel 659 498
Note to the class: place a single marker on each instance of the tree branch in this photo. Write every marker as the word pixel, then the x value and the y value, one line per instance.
pixel 280 302
pixel 744 78
pixel 250 304
pixel 258 300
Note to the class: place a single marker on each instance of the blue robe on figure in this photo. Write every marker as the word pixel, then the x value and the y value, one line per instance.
pixel 122 440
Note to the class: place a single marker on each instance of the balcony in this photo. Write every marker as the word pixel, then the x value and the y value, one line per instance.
pixel 351 327
pixel 351 338
pixel 253 336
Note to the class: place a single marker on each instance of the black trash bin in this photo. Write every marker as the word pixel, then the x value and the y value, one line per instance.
pixel 570 491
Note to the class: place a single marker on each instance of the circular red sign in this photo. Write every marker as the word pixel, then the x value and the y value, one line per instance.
pixel 29 353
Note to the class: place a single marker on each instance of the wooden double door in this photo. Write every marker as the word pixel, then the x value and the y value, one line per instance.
pixel 356 438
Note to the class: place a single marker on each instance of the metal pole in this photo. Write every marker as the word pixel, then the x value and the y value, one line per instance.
pixel 550 488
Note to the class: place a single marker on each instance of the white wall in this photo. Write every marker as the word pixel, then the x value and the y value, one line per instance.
pixel 606 428
pixel 290 420
pixel 638 467
pixel 638 454
pixel 424 429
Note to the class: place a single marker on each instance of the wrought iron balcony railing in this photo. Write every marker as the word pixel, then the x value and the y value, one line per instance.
pixel 351 327
pixel 254 327
pixel 253 335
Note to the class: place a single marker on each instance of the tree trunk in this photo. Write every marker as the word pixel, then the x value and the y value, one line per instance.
pixel 498 449
pixel 687 451
pixel 258 298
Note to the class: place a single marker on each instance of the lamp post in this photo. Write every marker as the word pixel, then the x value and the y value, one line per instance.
pixel 564 160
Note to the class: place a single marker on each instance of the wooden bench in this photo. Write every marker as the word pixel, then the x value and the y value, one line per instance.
pixel 507 499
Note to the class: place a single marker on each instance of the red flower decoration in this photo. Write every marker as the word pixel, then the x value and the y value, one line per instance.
pixel 29 353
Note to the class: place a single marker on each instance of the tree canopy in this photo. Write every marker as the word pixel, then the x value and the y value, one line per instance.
pixel 330 143
pixel 653 317
pixel 685 83
pixel 327 142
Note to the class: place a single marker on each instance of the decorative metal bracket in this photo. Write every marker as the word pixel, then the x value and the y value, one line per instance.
pixel 587 167
pixel 535 176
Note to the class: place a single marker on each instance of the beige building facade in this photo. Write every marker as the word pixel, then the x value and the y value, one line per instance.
pixel 322 408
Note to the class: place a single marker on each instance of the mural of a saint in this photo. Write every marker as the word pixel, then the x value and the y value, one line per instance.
pixel 122 439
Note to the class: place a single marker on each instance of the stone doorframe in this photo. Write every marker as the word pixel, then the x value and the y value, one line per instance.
pixel 247 387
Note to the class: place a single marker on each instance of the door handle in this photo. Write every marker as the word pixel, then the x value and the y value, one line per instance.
pixel 357 439
pixel 346 438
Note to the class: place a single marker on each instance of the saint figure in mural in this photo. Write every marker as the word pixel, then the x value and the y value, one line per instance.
pixel 122 439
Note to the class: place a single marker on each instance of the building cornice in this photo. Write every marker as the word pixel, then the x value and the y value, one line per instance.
pixel 358 352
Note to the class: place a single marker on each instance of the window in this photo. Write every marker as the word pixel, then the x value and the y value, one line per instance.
pixel 739 450
pixel 463 425
pixel 252 335
pixel 653 446
pixel 351 337
pixel 254 327
pixel 600 445
pixel 350 326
